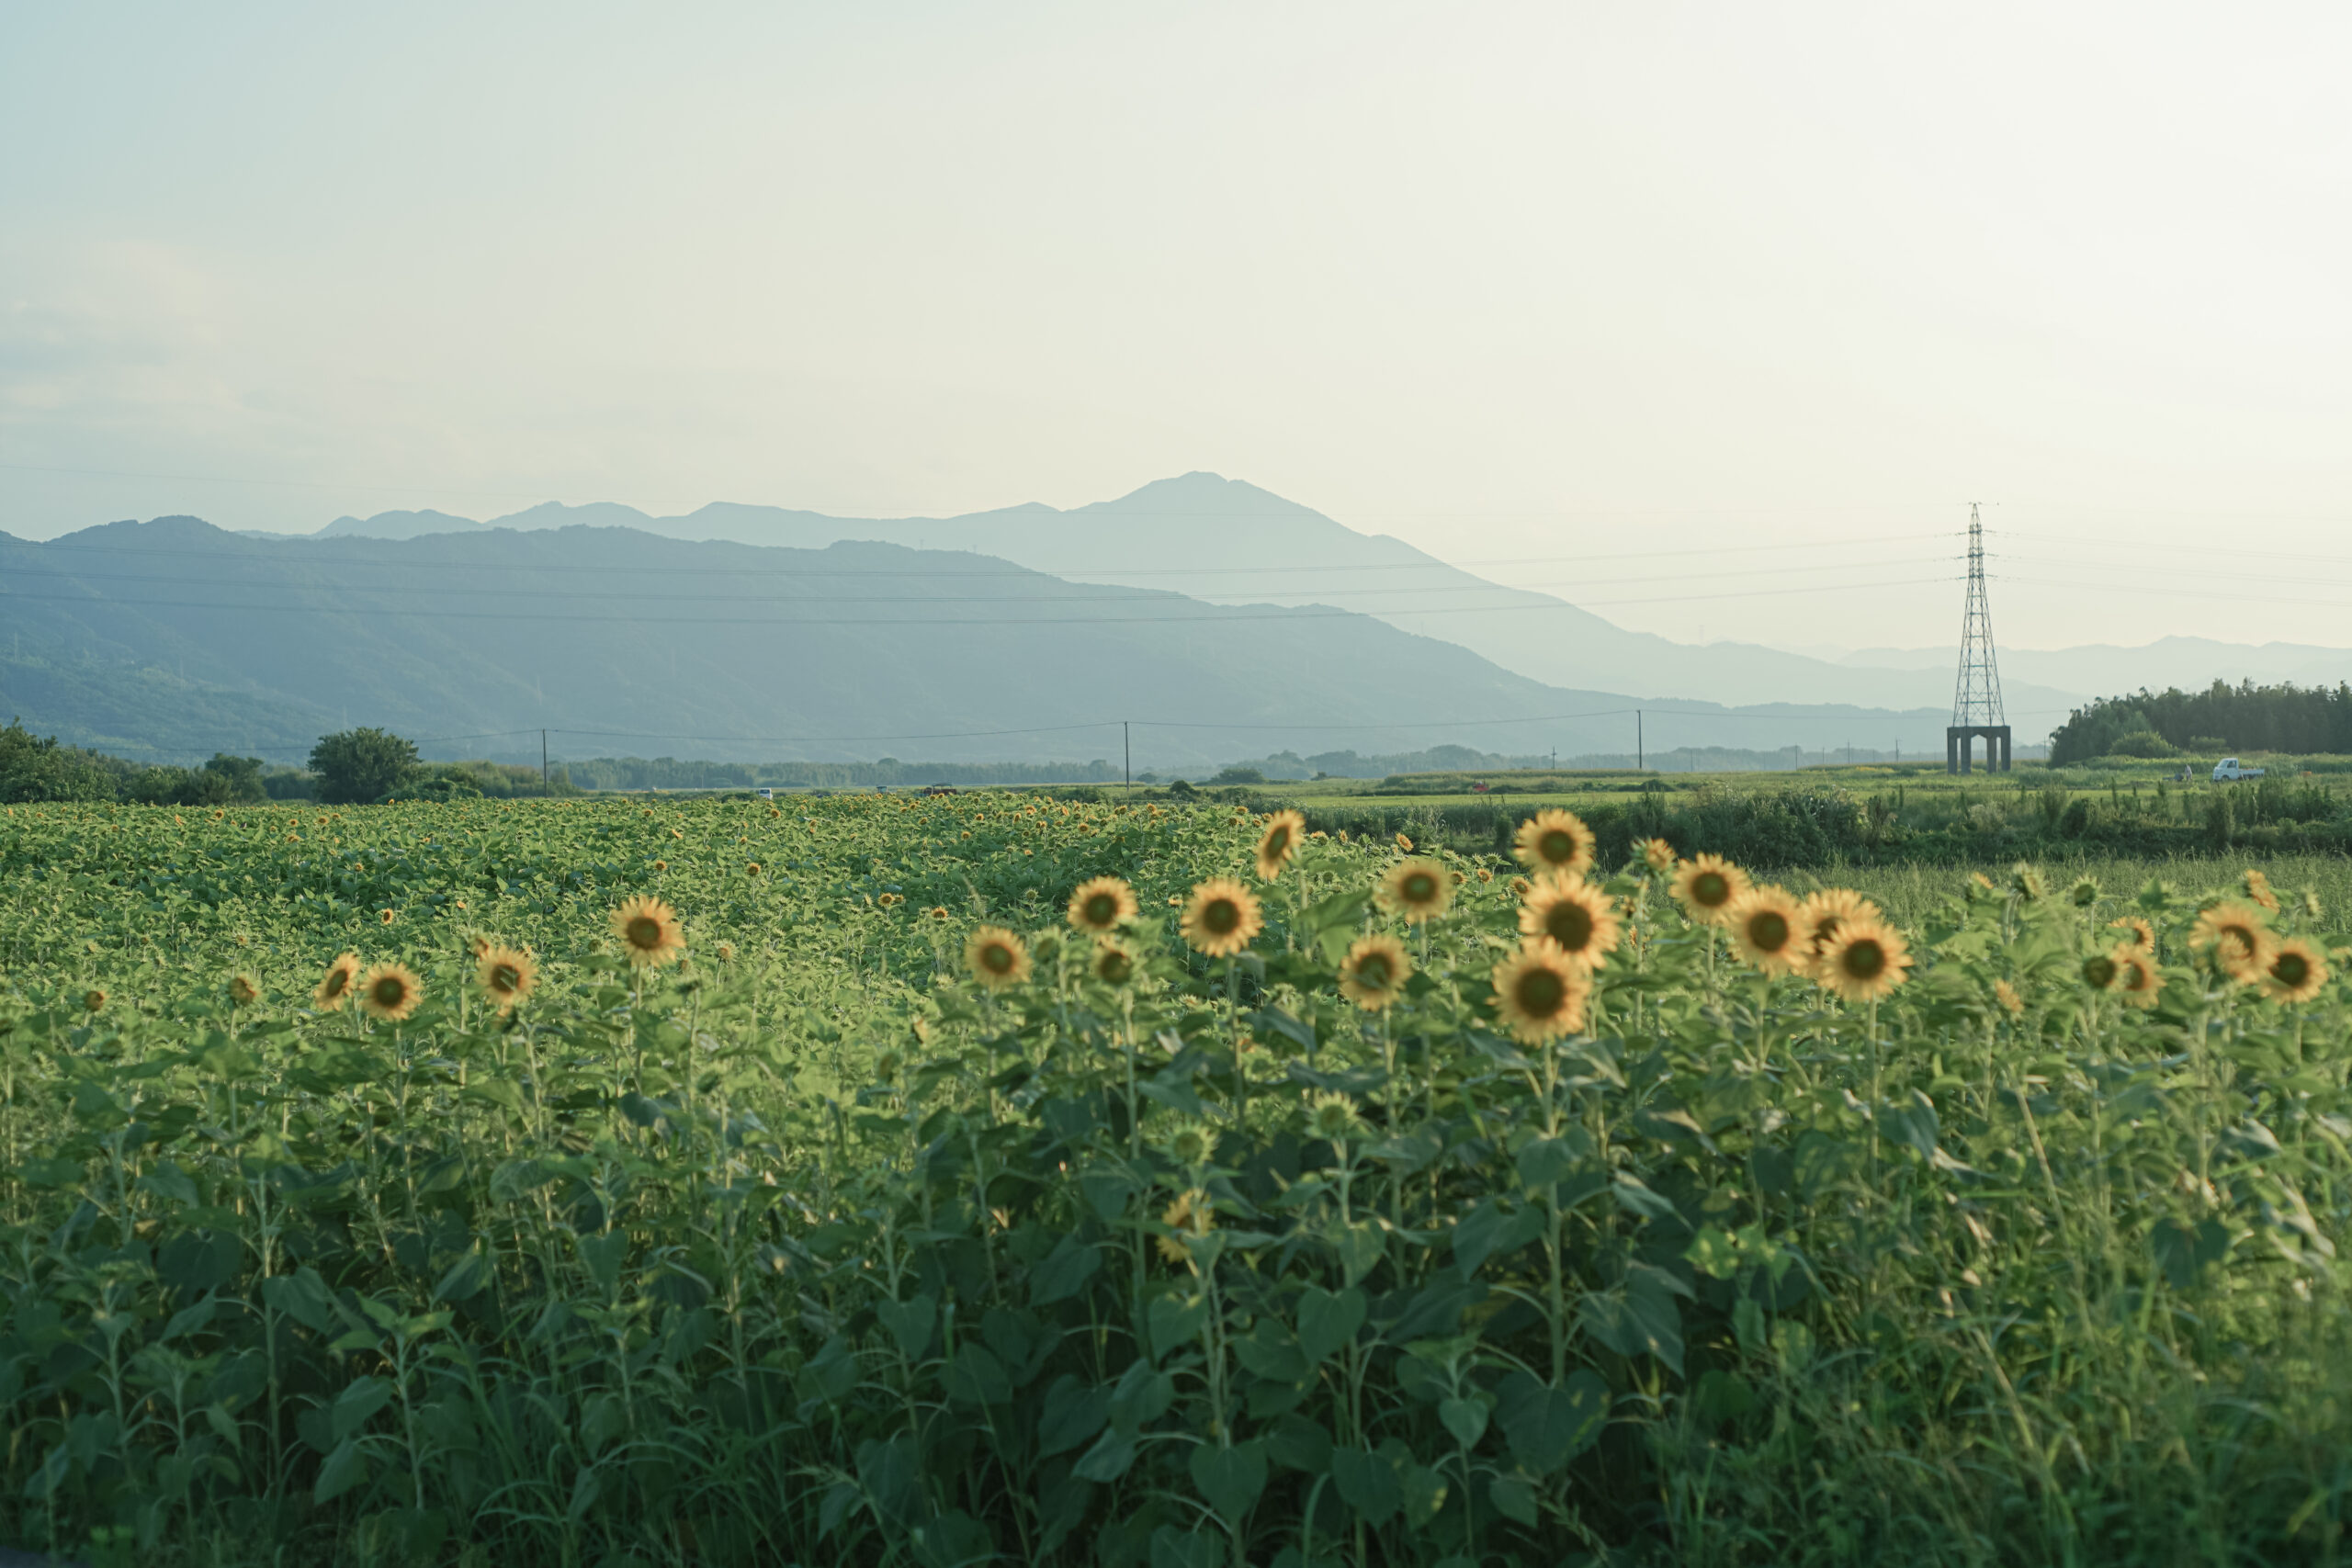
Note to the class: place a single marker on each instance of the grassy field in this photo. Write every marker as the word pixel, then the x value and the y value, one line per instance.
pixel 813 1237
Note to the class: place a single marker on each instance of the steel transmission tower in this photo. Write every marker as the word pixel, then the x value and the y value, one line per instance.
pixel 1977 695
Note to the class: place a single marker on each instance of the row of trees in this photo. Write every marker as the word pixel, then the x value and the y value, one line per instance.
pixel 2222 718
pixel 34 768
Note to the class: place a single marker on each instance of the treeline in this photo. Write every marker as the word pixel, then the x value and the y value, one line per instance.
pixel 36 768
pixel 2222 718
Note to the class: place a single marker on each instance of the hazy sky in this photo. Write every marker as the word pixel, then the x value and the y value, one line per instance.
pixel 1504 281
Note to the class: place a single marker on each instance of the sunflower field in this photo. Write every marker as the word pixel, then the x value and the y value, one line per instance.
pixel 989 1178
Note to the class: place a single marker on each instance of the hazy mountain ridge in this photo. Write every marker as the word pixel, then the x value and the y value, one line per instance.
pixel 1225 539
pixel 722 649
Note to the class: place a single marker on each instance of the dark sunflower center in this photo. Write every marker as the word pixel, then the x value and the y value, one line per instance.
pixel 996 958
pixel 645 931
pixel 336 981
pixel 1569 924
pixel 2291 969
pixel 1558 847
pixel 1373 971
pixel 1768 931
pixel 1863 960
pixel 1419 888
pixel 1278 841
pixel 504 977
pixel 1220 916
pixel 1710 888
pixel 2099 972
pixel 1114 966
pixel 390 991
pixel 1541 993
pixel 1101 910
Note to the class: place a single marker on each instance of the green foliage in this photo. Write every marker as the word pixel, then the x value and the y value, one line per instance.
pixel 360 765
pixel 33 768
pixel 2222 718
pixel 813 1250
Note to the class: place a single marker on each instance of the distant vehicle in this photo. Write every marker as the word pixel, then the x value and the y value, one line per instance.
pixel 2227 768
pixel 940 789
pixel 1478 789
pixel 767 794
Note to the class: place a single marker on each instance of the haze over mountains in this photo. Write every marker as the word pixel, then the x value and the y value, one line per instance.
pixel 625 641
pixel 1228 541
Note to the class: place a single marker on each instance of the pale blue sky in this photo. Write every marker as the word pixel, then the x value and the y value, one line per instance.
pixel 1501 281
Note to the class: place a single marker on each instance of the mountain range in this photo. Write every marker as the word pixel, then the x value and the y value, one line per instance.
pixel 621 639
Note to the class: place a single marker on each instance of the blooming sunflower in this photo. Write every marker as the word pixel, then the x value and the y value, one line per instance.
pixel 2294 972
pixel 2007 995
pixel 388 992
pixel 648 931
pixel 1373 973
pixel 996 957
pixel 1279 842
pixel 2136 978
pixel 1541 991
pixel 1658 855
pixel 1822 912
pixel 1222 918
pixel 505 975
pixel 1579 918
pixel 1705 886
pixel 388 916
pixel 2143 935
pixel 94 1001
pixel 1865 959
pixel 1113 963
pixel 334 985
pixel 2235 938
pixel 1555 843
pixel 1102 905
pixel 1767 925
pixel 1188 1215
pixel 2101 972
pixel 1404 843
pixel 1417 889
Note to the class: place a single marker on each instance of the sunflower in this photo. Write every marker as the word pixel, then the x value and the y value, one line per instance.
pixel 1579 918
pixel 1658 855
pixel 1822 912
pixel 1417 889
pixel 2294 972
pixel 1373 973
pixel 1102 905
pixel 388 992
pixel 1331 1117
pixel 1222 918
pixel 1485 876
pixel 388 916
pixel 1541 991
pixel 243 990
pixel 1767 925
pixel 1188 1215
pixel 1188 1144
pixel 2136 978
pixel 648 931
pixel 505 975
pixel 2143 935
pixel 334 985
pixel 996 957
pixel 1705 887
pixel 2235 938
pixel 1866 958
pixel 2257 887
pixel 2007 995
pixel 1278 843
pixel 94 1001
pixel 1553 842
pixel 1404 843
pixel 2101 972
pixel 1113 963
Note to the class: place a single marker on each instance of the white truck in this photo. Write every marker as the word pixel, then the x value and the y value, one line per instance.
pixel 2227 768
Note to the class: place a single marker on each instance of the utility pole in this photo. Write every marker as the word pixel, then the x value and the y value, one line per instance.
pixel 1640 756
pixel 1977 695
pixel 1127 751
pixel 543 761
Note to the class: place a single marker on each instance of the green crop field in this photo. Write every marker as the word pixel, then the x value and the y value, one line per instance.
pixel 856 1202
